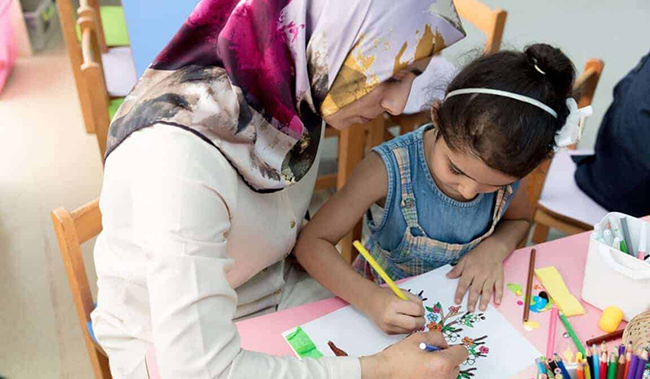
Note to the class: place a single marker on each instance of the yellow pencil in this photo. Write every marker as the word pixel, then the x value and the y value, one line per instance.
pixel 379 270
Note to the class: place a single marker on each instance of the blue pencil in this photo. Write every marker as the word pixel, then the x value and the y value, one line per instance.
pixel 427 347
pixel 560 364
pixel 596 358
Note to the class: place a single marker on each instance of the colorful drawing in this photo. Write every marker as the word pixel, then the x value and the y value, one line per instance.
pixel 453 325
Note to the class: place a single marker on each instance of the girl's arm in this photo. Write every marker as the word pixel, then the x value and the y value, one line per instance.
pixel 316 251
pixel 481 270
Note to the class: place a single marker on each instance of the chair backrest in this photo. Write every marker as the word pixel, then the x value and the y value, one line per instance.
pixel 72 229
pixel 92 73
pixel 86 63
pixel 583 91
pixel 492 22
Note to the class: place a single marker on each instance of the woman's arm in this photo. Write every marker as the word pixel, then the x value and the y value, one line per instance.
pixel 508 234
pixel 316 251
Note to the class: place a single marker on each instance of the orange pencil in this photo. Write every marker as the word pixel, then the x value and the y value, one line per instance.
pixel 580 370
pixel 628 358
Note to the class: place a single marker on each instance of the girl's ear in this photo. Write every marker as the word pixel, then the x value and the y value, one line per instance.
pixel 435 107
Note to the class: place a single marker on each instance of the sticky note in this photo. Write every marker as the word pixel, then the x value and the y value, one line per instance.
pixel 554 284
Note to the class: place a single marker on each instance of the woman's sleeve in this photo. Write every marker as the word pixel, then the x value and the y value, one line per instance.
pixel 182 222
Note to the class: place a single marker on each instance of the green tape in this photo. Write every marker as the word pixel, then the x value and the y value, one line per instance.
pixel 302 344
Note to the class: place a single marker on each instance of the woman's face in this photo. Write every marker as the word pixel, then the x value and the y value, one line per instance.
pixel 390 96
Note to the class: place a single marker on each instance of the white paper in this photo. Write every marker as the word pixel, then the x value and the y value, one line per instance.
pixel 508 351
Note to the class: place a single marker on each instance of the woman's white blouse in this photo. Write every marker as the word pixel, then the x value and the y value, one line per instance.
pixel 186 247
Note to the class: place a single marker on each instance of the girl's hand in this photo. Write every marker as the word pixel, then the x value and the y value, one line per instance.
pixel 405 359
pixel 394 315
pixel 480 272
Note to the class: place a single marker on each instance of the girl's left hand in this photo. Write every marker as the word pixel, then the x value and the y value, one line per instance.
pixel 481 272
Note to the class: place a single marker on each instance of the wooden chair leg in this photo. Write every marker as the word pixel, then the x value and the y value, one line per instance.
pixel 540 233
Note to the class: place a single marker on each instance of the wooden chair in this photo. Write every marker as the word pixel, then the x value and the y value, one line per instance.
pixel 72 229
pixel 100 88
pixel 556 198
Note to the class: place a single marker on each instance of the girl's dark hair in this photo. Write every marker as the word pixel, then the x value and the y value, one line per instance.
pixel 508 135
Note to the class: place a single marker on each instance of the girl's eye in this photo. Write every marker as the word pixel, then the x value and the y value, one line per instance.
pixel 453 170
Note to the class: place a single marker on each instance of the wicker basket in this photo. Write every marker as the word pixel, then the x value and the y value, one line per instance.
pixel 638 332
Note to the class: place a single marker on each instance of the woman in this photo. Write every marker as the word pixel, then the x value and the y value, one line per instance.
pixel 211 164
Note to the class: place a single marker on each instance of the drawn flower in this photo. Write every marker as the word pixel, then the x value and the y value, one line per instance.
pixel 434 326
pixel 467 341
pixel 436 309
pixel 484 349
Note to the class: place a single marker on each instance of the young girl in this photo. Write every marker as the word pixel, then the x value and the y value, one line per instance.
pixel 449 192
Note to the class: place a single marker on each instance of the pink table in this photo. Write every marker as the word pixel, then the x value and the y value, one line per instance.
pixel 568 255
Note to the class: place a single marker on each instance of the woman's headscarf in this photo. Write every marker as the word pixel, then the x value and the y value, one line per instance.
pixel 254 77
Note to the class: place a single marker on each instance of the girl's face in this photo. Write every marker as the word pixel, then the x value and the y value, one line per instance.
pixel 462 176
pixel 389 96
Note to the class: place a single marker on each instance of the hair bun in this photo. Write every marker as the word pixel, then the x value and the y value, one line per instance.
pixel 555 65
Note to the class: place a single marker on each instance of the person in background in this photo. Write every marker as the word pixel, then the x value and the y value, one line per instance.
pixel 617 176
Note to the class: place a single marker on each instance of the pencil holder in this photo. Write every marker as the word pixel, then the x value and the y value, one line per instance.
pixel 614 278
pixel 638 331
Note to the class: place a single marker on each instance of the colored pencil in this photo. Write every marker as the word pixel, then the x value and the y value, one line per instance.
pixel 621 349
pixel 611 367
pixel 552 331
pixel 626 236
pixel 540 366
pixel 620 370
pixel 632 371
pixel 529 284
pixel 549 370
pixel 596 362
pixel 552 364
pixel 640 367
pixel 605 337
pixel 603 366
pixel 430 348
pixel 628 360
pixel 558 374
pixel 580 370
pixel 587 370
pixel 590 361
pixel 379 270
pixel 561 366
pixel 572 333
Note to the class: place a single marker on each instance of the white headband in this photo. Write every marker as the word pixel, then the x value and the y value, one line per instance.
pixel 571 130
pixel 511 95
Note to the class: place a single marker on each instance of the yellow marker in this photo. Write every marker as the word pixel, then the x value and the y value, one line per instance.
pixel 379 270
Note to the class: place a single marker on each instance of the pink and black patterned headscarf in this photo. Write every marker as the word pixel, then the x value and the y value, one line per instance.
pixel 254 77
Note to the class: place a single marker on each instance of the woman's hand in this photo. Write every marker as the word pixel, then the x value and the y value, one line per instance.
pixel 481 272
pixel 392 314
pixel 406 360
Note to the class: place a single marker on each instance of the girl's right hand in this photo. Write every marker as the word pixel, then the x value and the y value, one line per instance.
pixel 394 315
pixel 406 360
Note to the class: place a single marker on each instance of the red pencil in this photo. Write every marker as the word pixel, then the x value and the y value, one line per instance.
pixel 603 366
